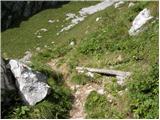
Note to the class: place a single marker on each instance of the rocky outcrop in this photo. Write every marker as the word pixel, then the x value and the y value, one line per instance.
pixel 7 82
pixel 31 84
pixel 13 12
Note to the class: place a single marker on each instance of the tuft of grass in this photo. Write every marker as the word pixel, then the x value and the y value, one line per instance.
pixel 97 106
pixel 80 79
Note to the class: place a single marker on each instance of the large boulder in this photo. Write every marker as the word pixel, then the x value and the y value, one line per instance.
pixel 139 21
pixel 31 84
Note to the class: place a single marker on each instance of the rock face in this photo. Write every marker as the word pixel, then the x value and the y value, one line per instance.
pixel 7 82
pixel 13 12
pixel 139 21
pixel 31 84
pixel 84 12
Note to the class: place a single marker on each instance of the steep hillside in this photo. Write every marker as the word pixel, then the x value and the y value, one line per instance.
pixel 101 41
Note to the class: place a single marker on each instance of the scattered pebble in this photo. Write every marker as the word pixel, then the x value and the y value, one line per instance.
pixel 110 97
pixel 77 86
pixel 45 46
pixel 51 21
pixel 86 31
pixel 80 71
pixel 119 58
pixel 118 4
pixel 38 49
pixel 57 20
pixel 131 4
pixel 101 91
pixel 39 36
pixel 38 31
pixel 72 43
pixel 120 93
pixel 126 89
pixel 70 15
pixel 120 80
pixel 97 19
pixel 57 34
pixel 52 42
pixel 90 74
pixel 44 29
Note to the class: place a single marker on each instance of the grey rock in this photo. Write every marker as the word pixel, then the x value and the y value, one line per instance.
pixel 7 81
pixel 31 84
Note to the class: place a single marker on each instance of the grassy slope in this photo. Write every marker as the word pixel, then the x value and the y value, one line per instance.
pixel 23 38
pixel 107 45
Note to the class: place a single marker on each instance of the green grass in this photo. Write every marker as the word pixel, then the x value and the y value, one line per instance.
pixel 23 38
pixel 106 45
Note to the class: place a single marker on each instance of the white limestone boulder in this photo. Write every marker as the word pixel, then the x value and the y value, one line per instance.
pixel 139 21
pixel 31 84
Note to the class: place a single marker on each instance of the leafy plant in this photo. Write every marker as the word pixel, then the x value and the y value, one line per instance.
pixel 144 94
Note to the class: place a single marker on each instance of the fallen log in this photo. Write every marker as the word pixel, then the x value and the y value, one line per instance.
pixel 104 71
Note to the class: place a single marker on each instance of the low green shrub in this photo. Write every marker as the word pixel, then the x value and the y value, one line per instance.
pixel 96 106
pixel 80 79
pixel 143 93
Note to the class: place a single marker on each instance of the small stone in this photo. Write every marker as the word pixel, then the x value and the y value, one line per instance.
pixel 77 86
pixel 90 74
pixel 72 43
pixel 51 21
pixel 86 31
pixel 120 93
pixel 131 4
pixel 101 91
pixel 38 49
pixel 39 36
pixel 110 97
pixel 119 58
pixel 97 19
pixel 44 29
pixel 52 42
pixel 57 34
pixel 120 80
pixel 118 4
pixel 70 16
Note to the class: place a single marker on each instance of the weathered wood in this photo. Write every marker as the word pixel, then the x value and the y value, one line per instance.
pixel 105 71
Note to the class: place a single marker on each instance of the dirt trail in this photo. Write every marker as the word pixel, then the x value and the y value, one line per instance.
pixel 80 92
